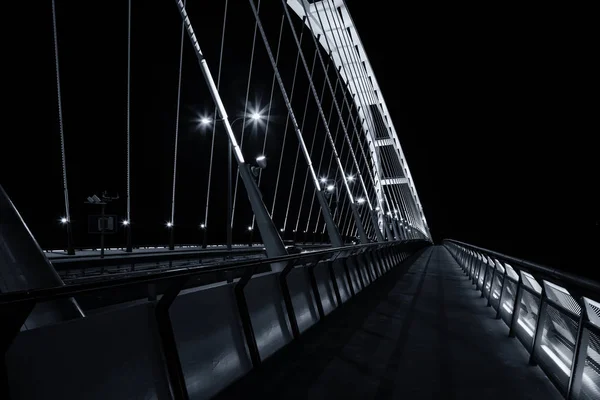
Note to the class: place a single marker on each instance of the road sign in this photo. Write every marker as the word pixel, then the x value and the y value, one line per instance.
pixel 95 224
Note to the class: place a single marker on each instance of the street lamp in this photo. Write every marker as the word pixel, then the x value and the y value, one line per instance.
pixel 202 227
pixel 65 221
pixel 255 117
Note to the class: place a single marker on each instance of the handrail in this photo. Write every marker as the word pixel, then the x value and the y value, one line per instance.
pixel 47 294
pixel 582 283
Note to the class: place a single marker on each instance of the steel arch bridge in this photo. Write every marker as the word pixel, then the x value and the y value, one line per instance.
pixel 322 158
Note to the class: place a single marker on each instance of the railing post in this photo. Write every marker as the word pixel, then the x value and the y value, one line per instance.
pixel 501 293
pixel 287 298
pixel 348 277
pixel 489 296
pixel 579 354
pixel 539 326
pixel 245 316
pixel 168 341
pixel 483 282
pixel 315 289
pixel 334 283
pixel 516 307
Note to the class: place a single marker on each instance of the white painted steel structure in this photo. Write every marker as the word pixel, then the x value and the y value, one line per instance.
pixel 339 40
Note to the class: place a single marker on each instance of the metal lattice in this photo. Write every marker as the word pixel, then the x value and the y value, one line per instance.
pixel 562 297
pixel 590 389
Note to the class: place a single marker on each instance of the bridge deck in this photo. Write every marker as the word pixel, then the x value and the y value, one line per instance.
pixel 421 333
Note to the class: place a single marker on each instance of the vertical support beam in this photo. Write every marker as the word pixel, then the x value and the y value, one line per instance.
pixel 168 341
pixel 245 316
pixel 271 239
pixel 287 298
pixel 516 308
pixel 315 290
pixel 539 327
pixel 336 289
pixel 502 290
pixel 579 354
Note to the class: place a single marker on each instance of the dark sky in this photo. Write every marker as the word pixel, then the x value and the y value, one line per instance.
pixel 492 107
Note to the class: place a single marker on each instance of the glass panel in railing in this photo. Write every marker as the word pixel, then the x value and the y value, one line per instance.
pixel 555 354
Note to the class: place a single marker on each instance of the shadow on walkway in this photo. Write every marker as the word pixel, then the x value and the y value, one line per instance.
pixel 421 332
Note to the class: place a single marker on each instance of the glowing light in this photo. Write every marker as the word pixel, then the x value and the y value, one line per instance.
pixel 255 116
pixel 281 229
pixel 557 360
pixel 377 208
pixel 205 121
pixel 260 158
pixel 63 220
pixel 202 226
pixel 350 178
pixel 330 188
pixel 169 224
pixel 360 200
pixel 249 228
pixel 125 222
pixel 526 326
pixel 323 180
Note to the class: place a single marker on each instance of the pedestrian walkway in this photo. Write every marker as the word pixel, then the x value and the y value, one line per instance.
pixel 420 332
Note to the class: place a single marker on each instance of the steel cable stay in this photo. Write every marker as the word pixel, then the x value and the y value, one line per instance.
pixel 361 92
pixel 171 222
pixel 287 120
pixel 244 117
pixel 337 129
pixel 339 111
pixel 204 223
pixel 287 210
pixel 67 218
pixel 365 90
pixel 312 145
pixel 316 96
pixel 341 207
pixel 260 173
pixel 323 146
pixel 367 87
pixel 355 130
pixel 127 221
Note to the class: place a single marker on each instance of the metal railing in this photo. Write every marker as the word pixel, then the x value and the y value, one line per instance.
pixel 368 263
pixel 557 318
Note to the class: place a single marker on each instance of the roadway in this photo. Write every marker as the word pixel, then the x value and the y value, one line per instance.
pixel 421 333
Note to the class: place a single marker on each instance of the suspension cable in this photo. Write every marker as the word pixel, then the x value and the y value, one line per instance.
pixel 128 114
pixel 60 117
pixel 172 221
pixel 270 103
pixel 312 145
pixel 287 210
pixel 237 174
pixel 214 125
pixel 361 77
pixel 287 120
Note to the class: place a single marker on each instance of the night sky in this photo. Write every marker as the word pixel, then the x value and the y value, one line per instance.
pixel 490 106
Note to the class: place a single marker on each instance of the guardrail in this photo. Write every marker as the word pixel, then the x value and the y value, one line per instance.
pixel 557 320
pixel 356 267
